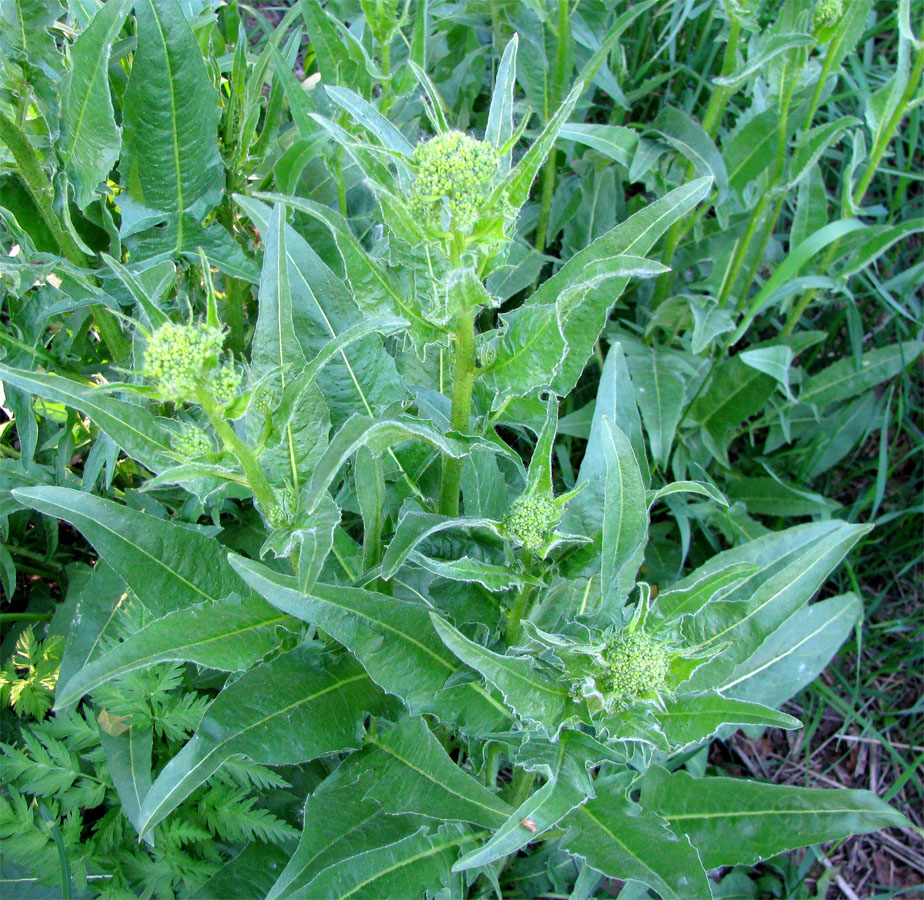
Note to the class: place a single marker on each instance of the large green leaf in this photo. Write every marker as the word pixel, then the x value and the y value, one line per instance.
pixel 412 773
pixel 379 436
pixel 744 625
pixel 361 378
pixel 687 137
pixel 168 565
pixel 394 639
pixel 299 706
pixel 533 694
pixel 231 634
pixel 128 756
pixel 616 403
pixel 691 718
pixel 90 139
pixel 373 286
pixel 733 820
pixel 170 160
pixel 547 340
pixel 847 378
pixel 796 653
pixel 625 517
pixel 688 597
pixel 416 526
pixel 141 435
pixel 616 837
pixel 660 392
pixel 410 867
pixel 734 392
pixel 341 821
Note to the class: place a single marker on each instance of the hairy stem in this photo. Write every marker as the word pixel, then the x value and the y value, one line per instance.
pixel 463 379
pixel 256 480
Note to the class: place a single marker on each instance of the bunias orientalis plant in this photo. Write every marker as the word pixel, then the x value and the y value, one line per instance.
pixel 458 694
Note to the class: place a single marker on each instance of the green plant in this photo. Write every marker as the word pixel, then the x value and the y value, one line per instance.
pixel 487 561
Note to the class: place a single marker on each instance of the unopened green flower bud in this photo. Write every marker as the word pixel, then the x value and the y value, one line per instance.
pixel 264 400
pixel 530 521
pixel 224 384
pixel 636 665
pixel 452 169
pixel 177 356
pixel 192 442
pixel 826 15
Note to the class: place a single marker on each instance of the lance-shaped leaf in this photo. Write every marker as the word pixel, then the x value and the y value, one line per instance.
pixel 547 340
pixel 141 435
pixel 691 718
pixel 341 821
pixel 734 392
pixel 373 286
pixel 768 555
pixel 746 625
pixel 733 820
pixel 564 764
pixel 529 691
pixel 795 654
pixel 624 841
pixel 410 867
pixel 170 159
pixel 231 634
pixel 616 403
pixel 412 773
pixel 687 137
pixel 659 391
pixel 500 115
pixel 845 378
pixel 362 377
pixel 392 638
pixel 168 565
pixel 689 596
pixel 625 516
pixel 416 526
pixel 128 756
pixel 90 138
pixel 293 709
pixel 517 183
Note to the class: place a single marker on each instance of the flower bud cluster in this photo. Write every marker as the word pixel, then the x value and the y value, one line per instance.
pixel 636 666
pixel 827 14
pixel 452 169
pixel 179 359
pixel 530 520
pixel 264 400
pixel 192 442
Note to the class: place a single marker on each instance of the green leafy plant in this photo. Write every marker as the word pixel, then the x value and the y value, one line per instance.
pixel 452 542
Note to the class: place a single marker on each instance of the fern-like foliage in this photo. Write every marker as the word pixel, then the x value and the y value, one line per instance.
pixel 57 786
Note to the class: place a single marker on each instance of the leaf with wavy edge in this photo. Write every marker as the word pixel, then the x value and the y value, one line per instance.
pixel 299 706
pixel 394 639
pixel 230 635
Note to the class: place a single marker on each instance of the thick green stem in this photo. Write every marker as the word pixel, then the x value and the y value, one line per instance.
pixel 462 383
pixel 885 136
pixel 256 480
pixel 558 90
pixel 42 192
pixel 514 628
